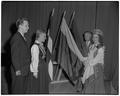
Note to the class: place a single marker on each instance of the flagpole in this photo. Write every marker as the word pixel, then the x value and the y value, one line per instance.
pixel 72 18
pixel 70 23
pixel 56 39
pixel 47 34
pixel 49 22
pixel 48 27
pixel 53 11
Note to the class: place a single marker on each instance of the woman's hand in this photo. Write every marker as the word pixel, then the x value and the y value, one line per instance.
pixel 86 63
pixel 83 59
pixel 35 74
pixel 43 56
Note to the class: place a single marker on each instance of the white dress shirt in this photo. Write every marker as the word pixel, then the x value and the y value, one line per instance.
pixel 87 43
pixel 35 58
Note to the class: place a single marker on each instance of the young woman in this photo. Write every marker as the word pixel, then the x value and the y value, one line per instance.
pixel 93 75
pixel 39 77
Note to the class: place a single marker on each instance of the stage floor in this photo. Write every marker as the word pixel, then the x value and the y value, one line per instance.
pixel 65 87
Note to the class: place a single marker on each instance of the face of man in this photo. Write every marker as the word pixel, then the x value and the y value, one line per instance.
pixel 87 36
pixel 24 26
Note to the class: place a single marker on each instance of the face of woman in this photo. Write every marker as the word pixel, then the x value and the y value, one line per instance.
pixel 95 38
pixel 42 37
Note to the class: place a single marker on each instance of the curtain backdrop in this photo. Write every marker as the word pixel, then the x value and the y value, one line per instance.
pixel 108 21
pixel 89 15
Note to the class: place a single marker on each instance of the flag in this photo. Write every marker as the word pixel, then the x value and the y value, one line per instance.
pixel 50 64
pixel 77 65
pixel 75 53
pixel 65 46
pixel 70 40
pixel 49 44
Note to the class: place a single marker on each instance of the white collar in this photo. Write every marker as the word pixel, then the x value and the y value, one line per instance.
pixel 87 41
pixel 36 41
pixel 21 33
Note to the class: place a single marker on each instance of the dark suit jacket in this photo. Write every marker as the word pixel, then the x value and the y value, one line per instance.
pixel 20 53
pixel 85 49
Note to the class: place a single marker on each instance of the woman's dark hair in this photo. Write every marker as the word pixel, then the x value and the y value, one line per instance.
pixel 100 41
pixel 89 32
pixel 20 21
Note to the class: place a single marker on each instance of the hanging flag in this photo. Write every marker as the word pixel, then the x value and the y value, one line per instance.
pixel 65 45
pixel 77 65
pixel 49 45
pixel 70 40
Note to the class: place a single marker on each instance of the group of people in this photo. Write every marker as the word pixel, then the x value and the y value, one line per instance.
pixel 93 55
pixel 30 68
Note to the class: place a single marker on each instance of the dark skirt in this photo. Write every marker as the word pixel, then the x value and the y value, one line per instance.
pixel 39 85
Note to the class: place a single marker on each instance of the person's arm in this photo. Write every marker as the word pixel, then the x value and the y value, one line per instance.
pixel 99 58
pixel 34 60
pixel 15 53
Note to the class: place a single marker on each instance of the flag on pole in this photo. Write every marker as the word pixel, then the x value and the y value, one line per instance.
pixel 66 45
pixel 49 44
pixel 70 40
pixel 77 65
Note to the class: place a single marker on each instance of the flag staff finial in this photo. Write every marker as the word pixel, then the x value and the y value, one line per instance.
pixel 64 13
pixel 73 13
pixel 71 20
pixel 53 11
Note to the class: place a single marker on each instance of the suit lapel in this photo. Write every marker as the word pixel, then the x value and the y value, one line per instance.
pixel 86 47
pixel 22 38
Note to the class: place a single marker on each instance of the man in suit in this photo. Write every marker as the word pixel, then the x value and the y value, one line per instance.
pixel 87 38
pixel 87 41
pixel 20 53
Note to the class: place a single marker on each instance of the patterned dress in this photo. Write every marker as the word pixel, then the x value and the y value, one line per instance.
pixel 93 75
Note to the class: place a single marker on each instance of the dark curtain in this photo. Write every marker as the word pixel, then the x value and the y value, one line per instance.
pixel 108 21
pixel 89 15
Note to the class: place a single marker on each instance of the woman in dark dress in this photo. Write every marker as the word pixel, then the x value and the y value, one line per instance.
pixel 39 77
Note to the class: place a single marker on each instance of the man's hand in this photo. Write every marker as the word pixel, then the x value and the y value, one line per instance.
pixel 35 74
pixel 18 73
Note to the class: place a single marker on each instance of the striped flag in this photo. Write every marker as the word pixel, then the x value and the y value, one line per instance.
pixel 77 65
pixel 66 46
pixel 49 44
pixel 70 40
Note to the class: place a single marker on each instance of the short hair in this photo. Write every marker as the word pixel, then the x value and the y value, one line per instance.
pixel 20 21
pixel 85 33
pixel 39 32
